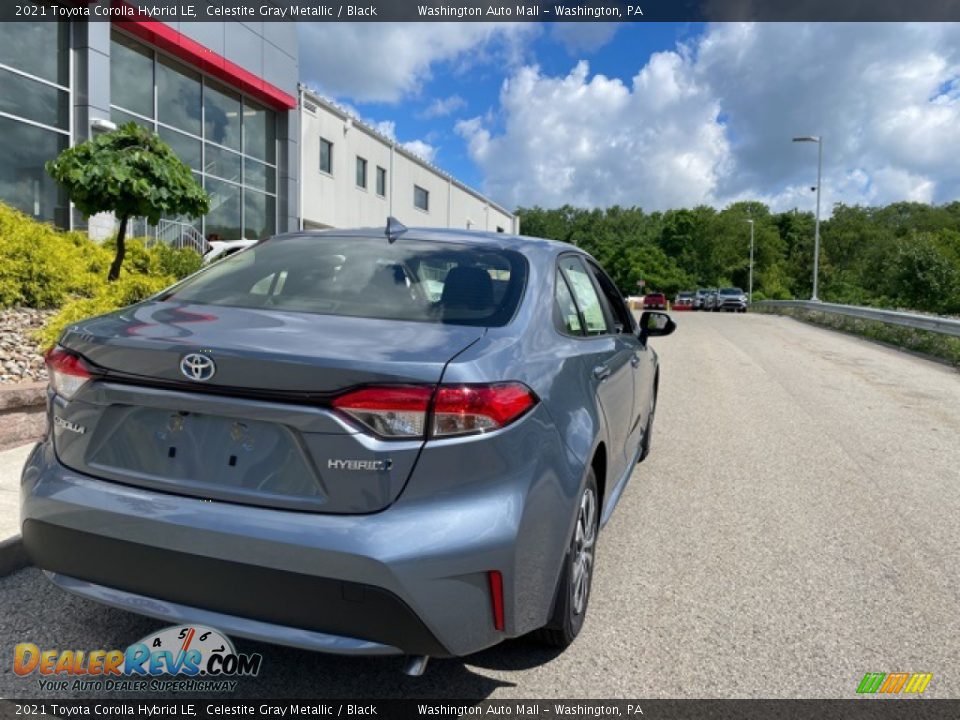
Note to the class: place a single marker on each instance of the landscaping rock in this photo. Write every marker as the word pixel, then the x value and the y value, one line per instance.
pixel 21 358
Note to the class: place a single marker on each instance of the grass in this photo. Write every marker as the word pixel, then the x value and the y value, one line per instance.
pixel 924 342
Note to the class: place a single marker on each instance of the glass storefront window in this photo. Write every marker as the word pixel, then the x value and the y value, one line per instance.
pixel 259 132
pixel 178 96
pixel 259 176
pixel 38 48
pixel 187 148
pixel 223 220
pixel 229 141
pixel 120 117
pixel 259 215
pixel 222 116
pixel 34 100
pixel 131 76
pixel 222 163
pixel 23 181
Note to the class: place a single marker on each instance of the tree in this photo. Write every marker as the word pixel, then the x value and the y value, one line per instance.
pixel 130 172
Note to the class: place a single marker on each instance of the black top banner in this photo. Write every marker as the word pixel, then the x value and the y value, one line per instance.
pixel 637 11
pixel 204 709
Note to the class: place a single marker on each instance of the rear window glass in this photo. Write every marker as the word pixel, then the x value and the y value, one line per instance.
pixel 367 277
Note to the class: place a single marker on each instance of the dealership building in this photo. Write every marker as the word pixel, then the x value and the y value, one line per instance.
pixel 353 176
pixel 226 97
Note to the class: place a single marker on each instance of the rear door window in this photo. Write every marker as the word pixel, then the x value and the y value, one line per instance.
pixel 566 315
pixel 589 302
pixel 622 318
pixel 367 277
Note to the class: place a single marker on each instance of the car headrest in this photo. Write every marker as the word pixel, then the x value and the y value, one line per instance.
pixel 467 287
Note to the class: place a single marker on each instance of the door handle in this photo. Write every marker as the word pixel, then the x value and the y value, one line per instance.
pixel 635 360
pixel 601 372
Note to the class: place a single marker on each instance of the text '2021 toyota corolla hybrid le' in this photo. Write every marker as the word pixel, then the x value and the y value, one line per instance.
pixel 350 441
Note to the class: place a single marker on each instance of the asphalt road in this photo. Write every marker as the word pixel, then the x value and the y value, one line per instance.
pixel 795 527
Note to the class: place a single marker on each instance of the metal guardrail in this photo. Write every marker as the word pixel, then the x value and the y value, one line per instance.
pixel 933 323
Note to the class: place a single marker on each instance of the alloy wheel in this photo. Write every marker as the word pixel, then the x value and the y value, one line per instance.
pixel 584 543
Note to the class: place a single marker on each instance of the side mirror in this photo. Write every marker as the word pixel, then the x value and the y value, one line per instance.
pixel 655 324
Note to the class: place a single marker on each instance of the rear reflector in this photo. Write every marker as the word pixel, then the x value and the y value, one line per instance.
pixel 68 373
pixel 401 411
pixel 496 597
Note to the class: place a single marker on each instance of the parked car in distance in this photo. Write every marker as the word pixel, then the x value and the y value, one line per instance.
pixel 710 300
pixel 655 301
pixel 731 299
pixel 683 300
pixel 699 298
pixel 300 445
pixel 220 249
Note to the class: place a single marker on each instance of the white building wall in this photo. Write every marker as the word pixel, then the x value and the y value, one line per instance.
pixel 335 200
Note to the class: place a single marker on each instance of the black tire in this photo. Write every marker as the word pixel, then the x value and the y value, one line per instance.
pixel 570 607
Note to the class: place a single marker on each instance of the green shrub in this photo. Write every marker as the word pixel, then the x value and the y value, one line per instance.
pixel 41 267
pixel 160 259
pixel 165 260
pixel 129 289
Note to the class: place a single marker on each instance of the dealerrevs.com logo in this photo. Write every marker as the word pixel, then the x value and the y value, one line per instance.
pixel 894 683
pixel 187 658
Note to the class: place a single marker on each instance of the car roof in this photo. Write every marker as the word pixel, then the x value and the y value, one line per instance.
pixel 482 238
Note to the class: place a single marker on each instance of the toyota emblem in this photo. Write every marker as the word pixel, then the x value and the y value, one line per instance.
pixel 198 367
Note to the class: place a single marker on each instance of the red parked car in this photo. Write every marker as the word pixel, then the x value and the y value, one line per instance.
pixel 656 301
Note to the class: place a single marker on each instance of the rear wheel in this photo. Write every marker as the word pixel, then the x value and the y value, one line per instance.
pixel 573 592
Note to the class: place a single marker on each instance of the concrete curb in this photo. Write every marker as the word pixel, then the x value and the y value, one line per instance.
pixel 22 395
pixel 12 556
pixel 23 416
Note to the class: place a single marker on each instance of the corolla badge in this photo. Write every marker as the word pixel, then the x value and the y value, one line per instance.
pixel 198 367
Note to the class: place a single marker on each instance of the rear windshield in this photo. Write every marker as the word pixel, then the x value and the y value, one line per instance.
pixel 367 277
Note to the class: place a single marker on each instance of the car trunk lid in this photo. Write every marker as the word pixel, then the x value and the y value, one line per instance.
pixel 260 429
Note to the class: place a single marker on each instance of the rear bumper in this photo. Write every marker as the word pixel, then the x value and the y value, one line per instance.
pixel 350 610
pixel 412 578
pixel 176 614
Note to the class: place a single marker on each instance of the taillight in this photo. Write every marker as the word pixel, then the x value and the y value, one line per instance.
pixel 401 411
pixel 390 411
pixel 463 409
pixel 67 372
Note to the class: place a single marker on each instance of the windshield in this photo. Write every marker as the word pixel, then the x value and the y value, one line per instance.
pixel 367 277
pixel 731 291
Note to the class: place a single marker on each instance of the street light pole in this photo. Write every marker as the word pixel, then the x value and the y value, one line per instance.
pixel 816 233
pixel 750 289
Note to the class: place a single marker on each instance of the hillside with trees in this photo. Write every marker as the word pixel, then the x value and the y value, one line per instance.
pixel 904 255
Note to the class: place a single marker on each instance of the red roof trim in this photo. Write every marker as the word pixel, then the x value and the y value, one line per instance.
pixel 166 38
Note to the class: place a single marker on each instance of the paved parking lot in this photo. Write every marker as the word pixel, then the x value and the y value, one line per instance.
pixel 794 528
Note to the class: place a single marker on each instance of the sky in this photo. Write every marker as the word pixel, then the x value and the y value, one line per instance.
pixel 659 115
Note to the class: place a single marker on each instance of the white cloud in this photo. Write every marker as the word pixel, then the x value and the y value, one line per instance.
pixel 712 122
pixel 421 149
pixel 596 141
pixel 389 61
pixel 442 107
pixel 585 37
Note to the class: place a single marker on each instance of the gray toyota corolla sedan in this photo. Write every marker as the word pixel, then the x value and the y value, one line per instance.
pixel 359 442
